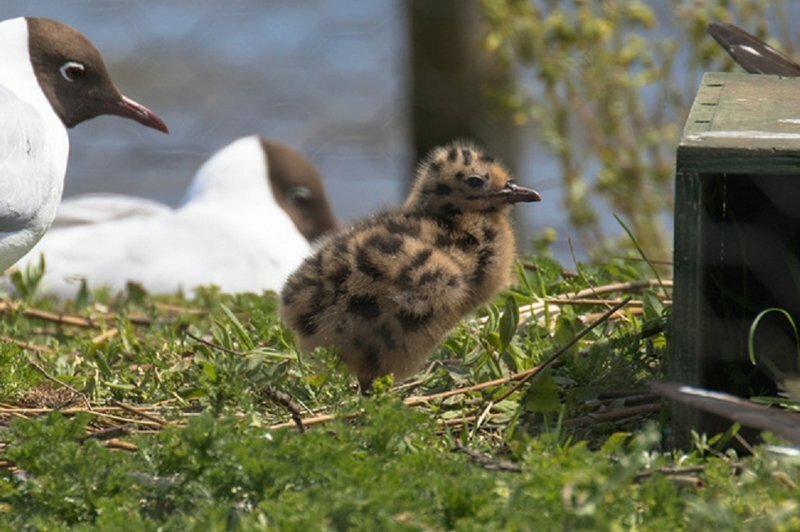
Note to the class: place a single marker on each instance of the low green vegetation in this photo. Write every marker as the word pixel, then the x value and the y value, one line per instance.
pixel 140 413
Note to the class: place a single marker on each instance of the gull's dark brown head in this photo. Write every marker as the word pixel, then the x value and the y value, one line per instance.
pixel 297 187
pixel 74 78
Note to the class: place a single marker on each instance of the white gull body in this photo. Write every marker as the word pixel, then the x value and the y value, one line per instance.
pixel 229 231
pixel 34 148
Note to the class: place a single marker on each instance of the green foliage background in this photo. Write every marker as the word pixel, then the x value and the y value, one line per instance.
pixel 608 85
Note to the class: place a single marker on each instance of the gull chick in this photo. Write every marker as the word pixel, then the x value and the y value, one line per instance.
pixel 387 290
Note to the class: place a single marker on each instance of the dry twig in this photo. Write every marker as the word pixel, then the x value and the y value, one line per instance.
pixel 487 462
pixel 286 401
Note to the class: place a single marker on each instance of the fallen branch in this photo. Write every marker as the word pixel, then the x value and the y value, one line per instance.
pixel 615 414
pixel 487 462
pixel 285 400
pixel 307 422
pixel 68 319
pixel 671 471
pixel 109 433
pixel 107 335
pixel 121 445
pixel 139 412
pixel 212 345
pixel 590 301
pixel 526 311
pixel 27 345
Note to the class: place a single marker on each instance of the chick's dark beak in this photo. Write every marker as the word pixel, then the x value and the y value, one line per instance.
pixel 517 194
pixel 128 108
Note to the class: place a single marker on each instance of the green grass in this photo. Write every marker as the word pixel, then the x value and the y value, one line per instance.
pixel 194 389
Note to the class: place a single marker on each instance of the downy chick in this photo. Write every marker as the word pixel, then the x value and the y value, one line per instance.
pixel 387 290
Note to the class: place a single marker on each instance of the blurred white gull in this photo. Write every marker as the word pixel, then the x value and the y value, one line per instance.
pixel 245 223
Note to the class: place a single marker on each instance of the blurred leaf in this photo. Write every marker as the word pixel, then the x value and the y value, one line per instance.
pixel 238 328
pixel 542 395
pixel 653 307
pixel 508 322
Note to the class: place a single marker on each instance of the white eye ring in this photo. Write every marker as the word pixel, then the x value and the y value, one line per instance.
pixel 298 193
pixel 71 66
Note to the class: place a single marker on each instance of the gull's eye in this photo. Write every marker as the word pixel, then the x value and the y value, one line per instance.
pixel 72 71
pixel 298 194
pixel 474 181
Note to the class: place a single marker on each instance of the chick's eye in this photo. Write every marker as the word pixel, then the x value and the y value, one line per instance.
pixel 298 195
pixel 474 181
pixel 72 71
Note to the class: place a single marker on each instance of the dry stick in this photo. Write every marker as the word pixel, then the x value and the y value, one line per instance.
pixel 212 345
pixel 616 414
pixel 47 376
pixel 457 421
pixel 639 259
pixel 487 462
pixel 627 286
pixel 27 345
pixel 671 471
pixel 630 400
pixel 285 400
pixel 99 412
pixel 481 419
pixel 102 337
pixel 423 399
pixel 605 302
pixel 108 434
pixel 121 445
pixel 586 330
pixel 636 311
pixel 176 309
pixel 580 272
pixel 526 310
pixel 137 411
pixel 307 422
pixel 68 319
pixel 111 417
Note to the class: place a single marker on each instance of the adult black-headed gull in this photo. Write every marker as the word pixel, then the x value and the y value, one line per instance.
pixel 245 223
pixel 51 78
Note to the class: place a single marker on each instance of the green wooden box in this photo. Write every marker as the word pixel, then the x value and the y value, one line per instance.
pixel 737 240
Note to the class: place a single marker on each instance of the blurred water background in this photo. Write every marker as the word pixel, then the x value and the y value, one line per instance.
pixel 329 77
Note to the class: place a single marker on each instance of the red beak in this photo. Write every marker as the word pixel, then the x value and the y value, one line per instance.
pixel 127 108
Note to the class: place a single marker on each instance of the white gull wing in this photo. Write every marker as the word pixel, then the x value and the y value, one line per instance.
pixel 101 208
pixel 230 232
